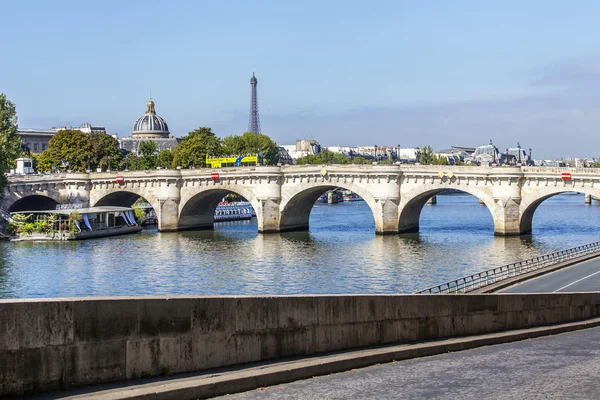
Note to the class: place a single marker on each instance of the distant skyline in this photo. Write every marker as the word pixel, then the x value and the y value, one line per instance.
pixel 342 72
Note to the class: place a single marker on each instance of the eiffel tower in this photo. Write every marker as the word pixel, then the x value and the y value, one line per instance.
pixel 254 122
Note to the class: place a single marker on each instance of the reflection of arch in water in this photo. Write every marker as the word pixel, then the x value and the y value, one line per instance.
pixel 34 202
pixel 410 210
pixel 297 206
pixel 529 206
pixel 198 212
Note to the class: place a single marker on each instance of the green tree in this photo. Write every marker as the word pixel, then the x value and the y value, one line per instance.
pixel 73 150
pixel 131 162
pixel 193 148
pixel 147 155
pixel 440 160
pixel 359 160
pixel 427 156
pixel 103 146
pixel 310 159
pixel 66 147
pixel 10 141
pixel 165 159
pixel 329 157
pixel 252 143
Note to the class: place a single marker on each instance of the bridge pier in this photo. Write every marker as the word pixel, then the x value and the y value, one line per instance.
pixel 386 216
pixel 506 210
pixel 506 220
pixel 168 215
pixel 267 215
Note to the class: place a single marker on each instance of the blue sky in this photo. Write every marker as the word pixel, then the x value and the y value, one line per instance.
pixel 343 72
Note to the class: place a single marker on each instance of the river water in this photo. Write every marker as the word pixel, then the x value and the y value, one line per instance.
pixel 339 254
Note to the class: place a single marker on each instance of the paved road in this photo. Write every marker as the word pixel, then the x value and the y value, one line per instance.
pixel 565 366
pixel 582 277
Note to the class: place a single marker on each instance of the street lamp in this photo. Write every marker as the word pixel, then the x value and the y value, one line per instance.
pixel 108 169
pixel 399 159
pixel 89 168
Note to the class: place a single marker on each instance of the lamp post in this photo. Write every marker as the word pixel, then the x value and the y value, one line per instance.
pixel 108 169
pixel 89 167
pixel 398 155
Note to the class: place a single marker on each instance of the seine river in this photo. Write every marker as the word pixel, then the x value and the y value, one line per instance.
pixel 340 254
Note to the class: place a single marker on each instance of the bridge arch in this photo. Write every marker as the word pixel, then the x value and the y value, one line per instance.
pixel 532 200
pixel 412 203
pixel 197 207
pixel 34 202
pixel 122 198
pixel 296 206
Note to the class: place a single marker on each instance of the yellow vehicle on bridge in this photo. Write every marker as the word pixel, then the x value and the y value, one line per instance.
pixel 232 161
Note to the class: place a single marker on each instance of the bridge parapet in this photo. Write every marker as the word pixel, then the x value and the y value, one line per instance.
pixel 19 179
pixel 559 170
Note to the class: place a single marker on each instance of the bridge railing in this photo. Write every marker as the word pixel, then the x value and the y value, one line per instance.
pixel 490 276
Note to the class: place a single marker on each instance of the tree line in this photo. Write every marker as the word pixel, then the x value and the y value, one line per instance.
pixel 78 151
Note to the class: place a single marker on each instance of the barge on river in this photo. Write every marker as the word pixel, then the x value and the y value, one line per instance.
pixel 74 224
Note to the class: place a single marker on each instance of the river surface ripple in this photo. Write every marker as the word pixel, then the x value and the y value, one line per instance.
pixel 339 254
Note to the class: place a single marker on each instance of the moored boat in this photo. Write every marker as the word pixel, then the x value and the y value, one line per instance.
pixel 233 213
pixel 73 224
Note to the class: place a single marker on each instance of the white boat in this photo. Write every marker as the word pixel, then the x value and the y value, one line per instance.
pixel 351 196
pixel 233 213
pixel 73 224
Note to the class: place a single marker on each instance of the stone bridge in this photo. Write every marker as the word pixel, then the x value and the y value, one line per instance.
pixel 283 196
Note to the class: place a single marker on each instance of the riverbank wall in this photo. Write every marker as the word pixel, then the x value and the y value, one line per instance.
pixel 57 344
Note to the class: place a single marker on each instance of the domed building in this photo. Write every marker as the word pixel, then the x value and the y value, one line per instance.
pixel 149 127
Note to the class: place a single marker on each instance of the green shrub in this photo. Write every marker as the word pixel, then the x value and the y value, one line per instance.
pixel 28 228
pixel 41 226
pixel 11 229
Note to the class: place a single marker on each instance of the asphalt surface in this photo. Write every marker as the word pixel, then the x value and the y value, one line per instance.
pixel 582 277
pixel 565 366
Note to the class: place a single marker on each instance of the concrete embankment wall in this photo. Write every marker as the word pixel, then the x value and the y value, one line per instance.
pixel 54 344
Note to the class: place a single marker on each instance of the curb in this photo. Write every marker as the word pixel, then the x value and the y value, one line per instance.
pixel 218 384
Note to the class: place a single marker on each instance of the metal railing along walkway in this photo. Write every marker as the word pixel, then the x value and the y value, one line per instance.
pixel 485 278
pixel 5 215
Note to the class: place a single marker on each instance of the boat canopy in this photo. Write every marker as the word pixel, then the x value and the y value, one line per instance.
pixel 89 210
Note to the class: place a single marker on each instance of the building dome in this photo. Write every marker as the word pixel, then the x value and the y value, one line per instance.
pixel 150 125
